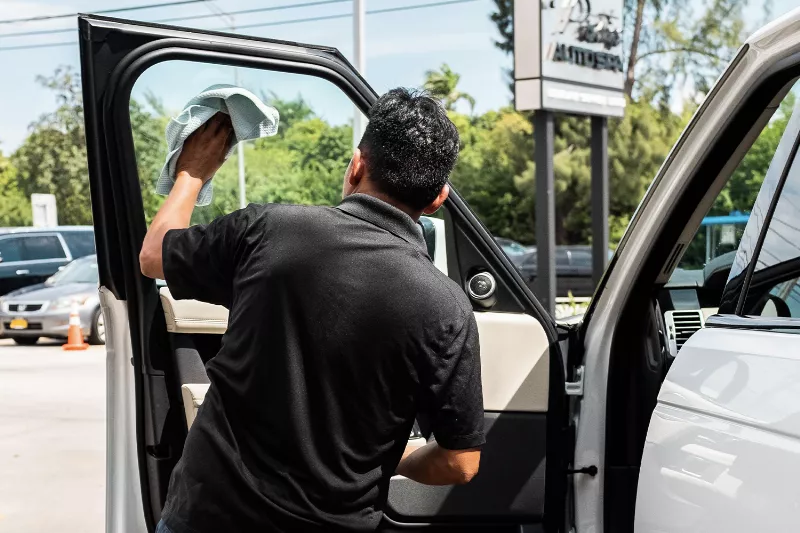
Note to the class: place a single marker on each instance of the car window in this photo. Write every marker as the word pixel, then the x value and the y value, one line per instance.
pixel 581 258
pixel 80 271
pixel 562 257
pixel 772 253
pixel 735 217
pixel 773 289
pixel 40 247
pixel 304 163
pixel 512 247
pixel 80 243
pixel 10 249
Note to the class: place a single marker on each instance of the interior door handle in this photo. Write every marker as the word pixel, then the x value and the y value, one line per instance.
pixel 23 272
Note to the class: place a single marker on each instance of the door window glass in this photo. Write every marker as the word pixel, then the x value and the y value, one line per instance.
pixel 10 249
pixel 39 247
pixel 773 289
pixel 80 243
pixel 304 163
pixel 715 259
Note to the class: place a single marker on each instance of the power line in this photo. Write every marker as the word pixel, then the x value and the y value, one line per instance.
pixel 103 11
pixel 255 10
pixel 265 24
pixel 44 45
pixel 189 17
pixel 348 15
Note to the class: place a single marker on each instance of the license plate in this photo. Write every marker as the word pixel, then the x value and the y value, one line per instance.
pixel 18 323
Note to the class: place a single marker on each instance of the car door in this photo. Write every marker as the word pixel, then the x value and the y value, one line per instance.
pixel 726 427
pixel 157 345
pixel 667 457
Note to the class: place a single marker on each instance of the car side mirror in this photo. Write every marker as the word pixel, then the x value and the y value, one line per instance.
pixel 429 234
pixel 1 258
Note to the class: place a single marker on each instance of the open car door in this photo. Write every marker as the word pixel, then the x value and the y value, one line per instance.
pixel 157 346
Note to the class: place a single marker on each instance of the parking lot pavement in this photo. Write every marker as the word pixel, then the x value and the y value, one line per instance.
pixel 52 438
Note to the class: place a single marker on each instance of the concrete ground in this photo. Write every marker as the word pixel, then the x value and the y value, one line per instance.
pixel 52 439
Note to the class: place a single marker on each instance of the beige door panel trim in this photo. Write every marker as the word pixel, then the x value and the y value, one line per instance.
pixel 193 395
pixel 515 362
pixel 192 316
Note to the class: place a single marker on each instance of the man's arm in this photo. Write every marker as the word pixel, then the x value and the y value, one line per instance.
pixel 202 155
pixel 452 407
pixel 433 465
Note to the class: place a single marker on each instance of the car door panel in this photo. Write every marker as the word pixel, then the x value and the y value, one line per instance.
pixel 170 340
pixel 724 436
pixel 124 502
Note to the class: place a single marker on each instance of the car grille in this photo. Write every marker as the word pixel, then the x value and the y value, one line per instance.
pixel 24 307
pixel 35 326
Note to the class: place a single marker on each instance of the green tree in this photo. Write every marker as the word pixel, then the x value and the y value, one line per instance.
pixel 52 159
pixel 443 84
pixel 291 111
pixel 15 208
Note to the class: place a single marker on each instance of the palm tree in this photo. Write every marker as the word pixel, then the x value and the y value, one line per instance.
pixel 442 84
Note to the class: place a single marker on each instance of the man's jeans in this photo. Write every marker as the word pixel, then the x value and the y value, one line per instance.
pixel 162 528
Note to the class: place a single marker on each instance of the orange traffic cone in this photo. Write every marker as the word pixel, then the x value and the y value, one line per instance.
pixel 74 334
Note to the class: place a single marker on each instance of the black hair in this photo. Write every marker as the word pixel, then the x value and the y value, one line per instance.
pixel 410 146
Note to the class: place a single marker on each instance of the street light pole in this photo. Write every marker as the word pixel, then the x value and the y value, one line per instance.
pixel 240 156
pixel 227 17
pixel 360 60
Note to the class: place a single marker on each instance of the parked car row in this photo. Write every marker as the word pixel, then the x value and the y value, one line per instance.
pixel 44 274
pixel 573 266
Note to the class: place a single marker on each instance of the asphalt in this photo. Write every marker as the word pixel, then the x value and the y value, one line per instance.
pixel 52 439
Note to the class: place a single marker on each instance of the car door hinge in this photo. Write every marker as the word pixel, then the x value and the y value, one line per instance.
pixel 575 388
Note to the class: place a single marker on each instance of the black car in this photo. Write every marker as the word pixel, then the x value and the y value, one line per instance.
pixel 573 270
pixel 31 255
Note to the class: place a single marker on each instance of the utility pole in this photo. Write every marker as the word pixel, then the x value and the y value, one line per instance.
pixel 360 60
pixel 231 21
pixel 240 156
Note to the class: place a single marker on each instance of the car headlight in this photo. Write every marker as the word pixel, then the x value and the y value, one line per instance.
pixel 66 302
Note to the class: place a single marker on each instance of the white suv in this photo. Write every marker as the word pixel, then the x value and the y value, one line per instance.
pixel 603 426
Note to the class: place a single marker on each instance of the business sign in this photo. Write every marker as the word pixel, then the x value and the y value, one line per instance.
pixel 568 56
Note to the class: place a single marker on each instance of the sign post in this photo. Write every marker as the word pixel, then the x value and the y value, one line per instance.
pixel 599 197
pixel 568 59
pixel 545 215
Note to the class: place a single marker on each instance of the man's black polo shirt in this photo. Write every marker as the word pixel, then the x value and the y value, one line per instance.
pixel 341 332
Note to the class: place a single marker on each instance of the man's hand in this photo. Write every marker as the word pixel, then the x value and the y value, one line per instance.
pixel 433 465
pixel 204 151
pixel 202 155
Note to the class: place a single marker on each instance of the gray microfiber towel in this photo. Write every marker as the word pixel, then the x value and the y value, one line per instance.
pixel 251 118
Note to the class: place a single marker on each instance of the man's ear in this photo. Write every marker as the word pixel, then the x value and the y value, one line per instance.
pixel 357 168
pixel 438 201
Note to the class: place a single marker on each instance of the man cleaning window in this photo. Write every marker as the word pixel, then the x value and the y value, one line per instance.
pixel 341 333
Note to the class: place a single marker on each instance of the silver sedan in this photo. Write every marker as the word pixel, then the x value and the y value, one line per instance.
pixel 43 310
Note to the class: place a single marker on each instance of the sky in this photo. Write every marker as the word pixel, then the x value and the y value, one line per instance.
pixel 401 46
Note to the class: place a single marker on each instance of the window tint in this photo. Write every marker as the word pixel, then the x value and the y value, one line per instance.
pixel 39 247
pixel 80 243
pixel 10 249
pixel 773 289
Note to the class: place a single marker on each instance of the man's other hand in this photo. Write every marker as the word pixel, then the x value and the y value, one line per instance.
pixel 433 465
pixel 204 151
